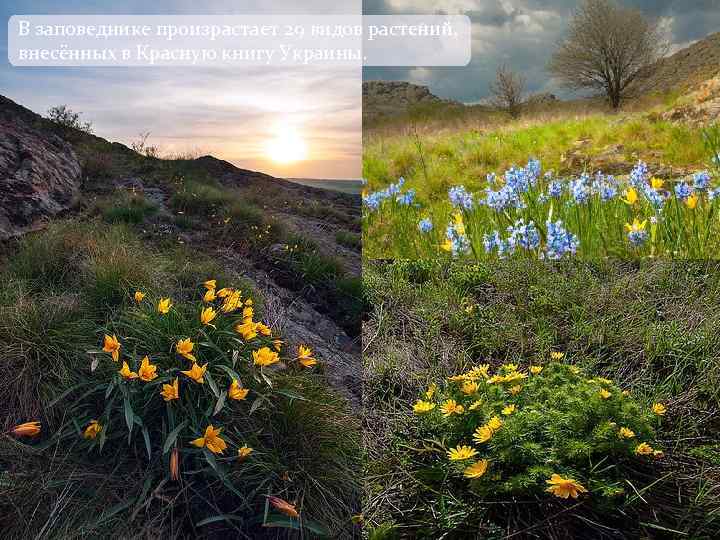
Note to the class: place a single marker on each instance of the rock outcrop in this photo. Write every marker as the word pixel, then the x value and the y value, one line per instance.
pixel 389 98
pixel 39 177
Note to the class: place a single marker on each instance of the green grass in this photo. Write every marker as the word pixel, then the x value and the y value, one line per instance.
pixel 349 239
pixel 64 287
pixel 125 207
pixel 649 327
pixel 432 164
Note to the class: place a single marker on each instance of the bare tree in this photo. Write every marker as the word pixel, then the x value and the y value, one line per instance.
pixel 508 91
pixel 608 48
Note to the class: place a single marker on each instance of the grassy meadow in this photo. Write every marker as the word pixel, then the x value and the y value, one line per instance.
pixel 484 381
pixel 544 186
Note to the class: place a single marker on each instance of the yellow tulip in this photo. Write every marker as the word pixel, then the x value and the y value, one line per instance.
pixel 692 201
pixel 170 391
pixel 139 296
pixel 147 371
pixel 184 348
pixel 237 392
pixel 208 315
pixel 126 373
pixel 656 183
pixel 243 452
pixel 211 440
pixel 636 225
pixel 92 430
pixel 209 296
pixel 164 306
pixel 112 345
pixel 210 284
pixel 305 356
pixel 264 357
pixel 248 330
pixel 196 373
pixel 631 196
pixel 263 329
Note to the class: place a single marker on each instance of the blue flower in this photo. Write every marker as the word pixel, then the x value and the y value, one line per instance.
pixel 425 225
pixel 559 241
pixel 460 197
pixel 555 188
pixel 502 199
pixel 459 243
pixel 407 198
pixel 605 186
pixel 580 190
pixel 683 191
pixel 523 235
pixel 639 174
pixel 653 196
pixel 701 180
pixel 494 242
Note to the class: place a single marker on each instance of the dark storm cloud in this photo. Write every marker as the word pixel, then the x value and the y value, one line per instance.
pixel 523 34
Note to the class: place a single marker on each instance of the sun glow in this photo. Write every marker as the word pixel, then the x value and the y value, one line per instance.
pixel 287 146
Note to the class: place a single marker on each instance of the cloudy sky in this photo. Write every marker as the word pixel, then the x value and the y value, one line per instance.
pixel 522 34
pixel 234 114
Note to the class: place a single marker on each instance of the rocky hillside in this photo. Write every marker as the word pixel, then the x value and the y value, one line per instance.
pixel 297 245
pixel 390 98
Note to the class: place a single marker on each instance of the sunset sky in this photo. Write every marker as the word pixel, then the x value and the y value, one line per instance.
pixel 245 115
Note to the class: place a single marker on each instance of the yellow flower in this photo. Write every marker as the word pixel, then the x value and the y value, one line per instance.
pixel 237 392
pixel 507 411
pixel 535 370
pixel 210 284
pixel 658 454
pixel 222 293
pixel 509 367
pixel 207 315
pixel 147 371
pixel 451 407
pixel 604 393
pixel 636 226
pixel 477 469
pixel 461 453
pixel 92 430
pixel 447 245
pixel 422 407
pixel 514 376
pixel 27 429
pixel 305 356
pixel 264 357
pixel 692 201
pixel 515 390
pixel 564 487
pixel 263 329
pixel 483 434
pixel 603 380
pixel 139 296
pixel 469 387
pixel 626 393
pixel 478 372
pixel 277 344
pixel 643 449
pixel 164 305
pixel 184 348
pixel 475 404
pixel 211 440
pixel 557 355
pixel 430 392
pixel 626 433
pixel 459 225
pixel 631 196
pixel 574 370
pixel 659 409
pixel 209 296
pixel 243 452
pixel 248 313
pixel 126 373
pixel 248 302
pixel 248 330
pixel 495 423
pixel 170 391
pixel 112 345
pixel 232 302
pixel 656 183
pixel 196 373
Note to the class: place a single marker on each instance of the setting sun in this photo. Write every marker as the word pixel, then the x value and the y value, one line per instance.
pixel 287 147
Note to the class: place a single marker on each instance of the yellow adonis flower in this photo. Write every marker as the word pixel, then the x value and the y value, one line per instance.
pixel 564 487
pixel 210 284
pixel 209 296
pixel 171 391
pixel 305 356
pixel 196 373
pixel 243 452
pixel 211 440
pixel 207 315
pixel 659 409
pixel 248 302
pixel 461 453
pixel 92 430
pixel 264 357
pixel 422 407
pixel 557 355
pixel 626 433
pixel 604 394
pixel 631 196
pixel 184 348
pixel 26 429
pixel 139 296
pixel 515 390
pixel 643 449
pixel 495 423
pixel 574 370
pixel 147 371
pixel 236 391
pixel 112 345
pixel 692 201
pixel 535 370
pixel 483 434
pixel 477 469
pixel 656 183
pixel 469 387
pixel 248 330
pixel 507 411
pixel 164 306
pixel 475 404
pixel 451 407
pixel 126 373
pixel 430 392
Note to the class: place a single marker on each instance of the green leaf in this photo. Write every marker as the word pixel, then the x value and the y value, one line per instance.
pixel 129 414
pixel 220 403
pixel 291 395
pixel 233 374
pixel 172 436
pixel 220 517
pixel 290 523
pixel 146 436
pixel 212 384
